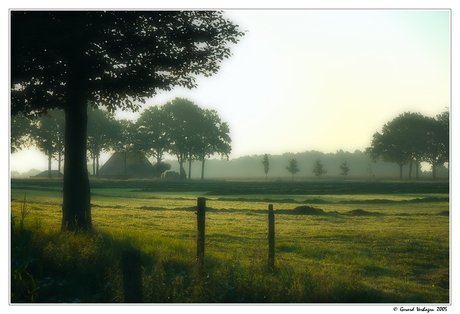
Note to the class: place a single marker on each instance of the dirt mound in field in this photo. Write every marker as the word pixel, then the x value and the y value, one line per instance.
pixel 308 210
pixel 361 212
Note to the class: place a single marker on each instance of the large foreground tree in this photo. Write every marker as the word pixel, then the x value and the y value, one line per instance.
pixel 113 59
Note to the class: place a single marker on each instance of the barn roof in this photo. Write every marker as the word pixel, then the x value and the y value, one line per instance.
pixel 137 165
pixel 44 174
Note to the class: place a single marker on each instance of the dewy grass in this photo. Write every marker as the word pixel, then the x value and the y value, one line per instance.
pixel 400 255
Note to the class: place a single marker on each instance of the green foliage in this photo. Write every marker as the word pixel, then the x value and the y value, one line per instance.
pixel 48 45
pixel 153 133
pixel 292 167
pixel 266 164
pixel 194 133
pixel 318 168
pixel 172 175
pixel 412 137
pixel 20 132
pixel 102 132
pixel 160 168
pixel 47 134
pixel 344 168
pixel 23 285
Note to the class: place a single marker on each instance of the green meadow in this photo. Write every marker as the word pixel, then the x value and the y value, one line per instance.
pixel 336 242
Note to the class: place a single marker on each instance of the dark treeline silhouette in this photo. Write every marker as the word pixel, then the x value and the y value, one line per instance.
pixel 412 138
pixel 179 128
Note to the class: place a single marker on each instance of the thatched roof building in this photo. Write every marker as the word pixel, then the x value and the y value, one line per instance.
pixel 131 165
pixel 45 174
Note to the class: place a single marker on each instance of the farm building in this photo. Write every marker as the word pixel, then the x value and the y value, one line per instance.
pixel 130 165
pixel 45 174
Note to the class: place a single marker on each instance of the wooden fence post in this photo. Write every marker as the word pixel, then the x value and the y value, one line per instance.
pixel 271 237
pixel 201 216
pixel 132 275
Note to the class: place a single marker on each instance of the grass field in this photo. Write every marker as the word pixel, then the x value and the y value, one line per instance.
pixel 349 242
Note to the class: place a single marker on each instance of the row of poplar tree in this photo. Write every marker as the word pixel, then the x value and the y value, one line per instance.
pixel 293 168
pixel 179 128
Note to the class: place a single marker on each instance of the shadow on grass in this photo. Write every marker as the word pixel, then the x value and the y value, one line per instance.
pixel 65 267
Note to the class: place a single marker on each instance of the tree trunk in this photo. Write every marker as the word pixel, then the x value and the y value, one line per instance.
pixel 97 166
pixel 94 165
pixel 50 157
pixel 157 174
pixel 433 170
pixel 182 174
pixel 202 168
pixel 190 168
pixel 76 207
pixel 125 160
pixel 410 169
pixel 400 172
pixel 59 163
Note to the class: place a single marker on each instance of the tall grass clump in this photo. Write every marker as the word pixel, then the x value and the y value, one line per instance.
pixel 53 266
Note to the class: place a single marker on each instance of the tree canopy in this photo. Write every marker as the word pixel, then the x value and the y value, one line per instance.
pixel 117 58
pixel 113 59
pixel 213 138
pixel 20 132
pixel 194 133
pixel 344 168
pixel 318 168
pixel 47 134
pixel 153 132
pixel 266 164
pixel 412 137
pixel 292 167
pixel 102 130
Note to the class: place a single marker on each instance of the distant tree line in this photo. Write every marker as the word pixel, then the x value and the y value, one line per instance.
pixel 356 164
pixel 46 133
pixel 413 138
pixel 180 128
pixel 292 167
pixel 409 139
pixel 251 166
pixel 150 135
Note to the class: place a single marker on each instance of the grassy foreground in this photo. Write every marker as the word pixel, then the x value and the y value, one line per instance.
pixel 378 242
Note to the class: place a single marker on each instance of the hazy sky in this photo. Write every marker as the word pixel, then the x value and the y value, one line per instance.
pixel 321 79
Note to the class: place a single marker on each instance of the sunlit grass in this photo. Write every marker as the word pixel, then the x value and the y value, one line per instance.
pixel 401 255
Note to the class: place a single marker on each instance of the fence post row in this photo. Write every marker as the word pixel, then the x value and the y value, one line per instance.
pixel 201 216
pixel 132 275
pixel 271 237
pixel 131 262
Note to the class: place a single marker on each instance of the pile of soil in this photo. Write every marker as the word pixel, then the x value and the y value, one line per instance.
pixel 361 212
pixel 308 210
